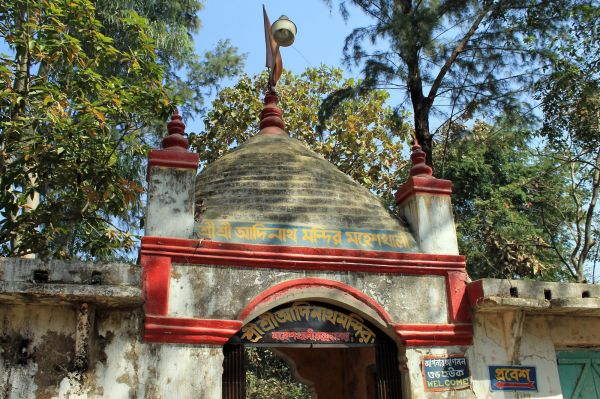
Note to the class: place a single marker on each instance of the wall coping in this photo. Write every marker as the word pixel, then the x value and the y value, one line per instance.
pixel 70 282
pixel 536 297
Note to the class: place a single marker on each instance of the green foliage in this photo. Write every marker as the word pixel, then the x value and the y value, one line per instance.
pixel 171 24
pixel 270 377
pixel 71 128
pixel 451 58
pixel 503 195
pixel 570 93
pixel 570 96
pixel 363 137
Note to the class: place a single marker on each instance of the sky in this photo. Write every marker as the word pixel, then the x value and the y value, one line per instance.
pixel 320 37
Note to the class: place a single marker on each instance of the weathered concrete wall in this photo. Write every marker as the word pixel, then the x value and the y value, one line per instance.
pixel 39 358
pixel 573 332
pixel 498 342
pixel 432 223
pixel 493 346
pixel 218 292
pixel 170 210
pixel 74 330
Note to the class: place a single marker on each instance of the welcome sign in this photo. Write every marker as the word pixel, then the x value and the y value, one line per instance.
pixel 445 373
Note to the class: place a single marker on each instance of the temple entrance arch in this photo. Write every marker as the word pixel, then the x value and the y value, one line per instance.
pixel 338 352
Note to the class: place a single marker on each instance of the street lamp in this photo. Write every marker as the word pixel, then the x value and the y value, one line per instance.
pixel 281 34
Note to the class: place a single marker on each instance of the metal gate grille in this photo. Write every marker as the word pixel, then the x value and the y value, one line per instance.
pixel 388 373
pixel 234 372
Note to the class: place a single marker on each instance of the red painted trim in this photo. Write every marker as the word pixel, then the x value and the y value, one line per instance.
pixel 475 292
pixel 156 276
pixel 299 258
pixel 303 283
pixel 458 302
pixel 173 159
pixel 434 334
pixel 189 331
pixel 423 185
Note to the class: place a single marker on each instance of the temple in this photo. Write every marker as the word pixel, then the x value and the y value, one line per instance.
pixel 271 245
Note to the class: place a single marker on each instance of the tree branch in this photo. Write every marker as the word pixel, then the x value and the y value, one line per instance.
pixel 459 47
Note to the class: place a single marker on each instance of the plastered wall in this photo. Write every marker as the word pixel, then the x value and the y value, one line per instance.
pixel 41 357
pixel 216 292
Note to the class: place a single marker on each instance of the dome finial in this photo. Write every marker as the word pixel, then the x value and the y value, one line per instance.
pixel 271 120
pixel 175 140
pixel 418 157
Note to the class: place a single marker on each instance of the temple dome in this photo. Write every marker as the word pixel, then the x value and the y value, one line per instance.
pixel 273 190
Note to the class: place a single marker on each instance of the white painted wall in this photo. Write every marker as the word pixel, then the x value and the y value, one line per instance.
pixel 170 209
pixel 432 223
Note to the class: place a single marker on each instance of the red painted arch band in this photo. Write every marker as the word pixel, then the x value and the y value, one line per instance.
pixel 169 330
pixel 435 334
pixel 295 265
pixel 189 322
pixel 156 275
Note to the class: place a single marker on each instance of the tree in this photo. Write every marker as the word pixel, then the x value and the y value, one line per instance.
pixel 451 57
pixel 363 137
pixel 112 70
pixel 503 192
pixel 570 96
pixel 270 377
pixel 69 125
pixel 171 25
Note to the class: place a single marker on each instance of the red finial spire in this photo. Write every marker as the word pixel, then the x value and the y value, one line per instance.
pixel 271 121
pixel 175 141
pixel 418 157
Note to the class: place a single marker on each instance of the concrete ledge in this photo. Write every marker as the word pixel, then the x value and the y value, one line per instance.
pixel 63 294
pixel 495 295
pixel 63 283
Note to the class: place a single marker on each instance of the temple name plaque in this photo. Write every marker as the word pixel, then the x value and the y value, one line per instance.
pixel 304 323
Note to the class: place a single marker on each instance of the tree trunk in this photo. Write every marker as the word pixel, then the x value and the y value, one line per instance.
pixel 588 240
pixel 422 131
pixel 21 86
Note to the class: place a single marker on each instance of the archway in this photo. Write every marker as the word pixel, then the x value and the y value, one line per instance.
pixel 341 354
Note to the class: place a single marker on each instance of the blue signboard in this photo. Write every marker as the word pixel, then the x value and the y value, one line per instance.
pixel 306 236
pixel 445 373
pixel 513 378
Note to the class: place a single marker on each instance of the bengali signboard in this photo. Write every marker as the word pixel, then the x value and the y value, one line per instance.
pixel 445 373
pixel 513 378
pixel 306 236
pixel 304 323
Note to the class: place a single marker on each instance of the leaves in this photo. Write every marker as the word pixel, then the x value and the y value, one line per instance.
pixel 270 377
pixel 363 137
pixel 63 118
pixel 452 60
pixel 503 195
